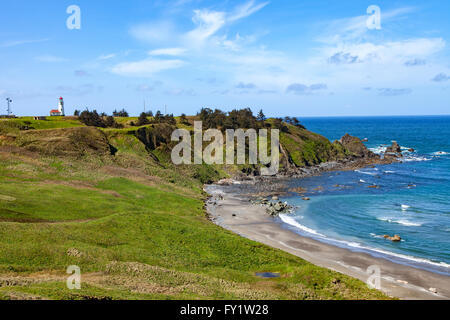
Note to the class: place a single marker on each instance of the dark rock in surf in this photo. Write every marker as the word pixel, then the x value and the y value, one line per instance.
pixel 356 147
pixel 394 148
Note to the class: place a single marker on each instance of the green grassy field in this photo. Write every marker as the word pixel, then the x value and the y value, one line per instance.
pixel 137 228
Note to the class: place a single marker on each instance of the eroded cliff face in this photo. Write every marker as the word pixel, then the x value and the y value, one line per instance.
pixel 299 149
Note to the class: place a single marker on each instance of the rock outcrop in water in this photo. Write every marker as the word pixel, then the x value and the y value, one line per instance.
pixel 356 147
pixel 394 148
pixel 395 238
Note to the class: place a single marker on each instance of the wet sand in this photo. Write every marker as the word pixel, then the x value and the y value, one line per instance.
pixel 238 215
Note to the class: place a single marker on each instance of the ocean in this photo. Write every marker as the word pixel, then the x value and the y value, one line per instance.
pixel 413 200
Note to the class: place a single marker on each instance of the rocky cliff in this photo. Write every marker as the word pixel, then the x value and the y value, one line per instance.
pixel 151 146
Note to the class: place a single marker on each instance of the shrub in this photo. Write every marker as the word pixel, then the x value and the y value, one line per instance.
pixel 142 120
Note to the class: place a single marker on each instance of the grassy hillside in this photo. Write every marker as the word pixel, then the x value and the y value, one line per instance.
pixel 111 202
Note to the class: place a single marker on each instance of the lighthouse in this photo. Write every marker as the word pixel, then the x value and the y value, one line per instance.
pixel 60 111
pixel 61 106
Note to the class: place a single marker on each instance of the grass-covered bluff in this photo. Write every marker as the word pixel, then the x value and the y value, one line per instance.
pixel 111 202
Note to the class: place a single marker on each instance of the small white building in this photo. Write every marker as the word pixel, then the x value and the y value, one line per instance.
pixel 60 110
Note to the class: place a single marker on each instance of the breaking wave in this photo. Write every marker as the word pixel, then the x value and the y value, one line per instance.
pixel 402 222
pixel 351 244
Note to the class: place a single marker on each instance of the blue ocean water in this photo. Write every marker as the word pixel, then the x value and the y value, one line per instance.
pixel 413 200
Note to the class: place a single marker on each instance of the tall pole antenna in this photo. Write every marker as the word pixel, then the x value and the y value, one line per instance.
pixel 8 100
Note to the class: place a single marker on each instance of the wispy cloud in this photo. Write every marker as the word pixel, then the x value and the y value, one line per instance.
pixel 146 68
pixel 246 10
pixel 208 23
pixel 355 28
pixel 181 92
pixel 107 56
pixel 391 92
pixel 341 57
pixel 243 85
pixel 148 87
pixel 81 90
pixel 302 89
pixel 415 62
pixel 14 43
pixel 154 32
pixel 168 52
pixel 50 58
pixel 441 77
pixel 81 73
pixel 412 50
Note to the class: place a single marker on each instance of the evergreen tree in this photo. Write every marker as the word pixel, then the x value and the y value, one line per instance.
pixel 158 116
pixel 121 113
pixel 183 119
pixel 142 120
pixel 261 116
pixel 92 119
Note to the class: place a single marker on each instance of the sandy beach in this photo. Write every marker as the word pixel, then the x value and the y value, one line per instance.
pixel 237 214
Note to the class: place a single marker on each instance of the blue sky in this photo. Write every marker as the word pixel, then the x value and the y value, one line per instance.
pixel 288 57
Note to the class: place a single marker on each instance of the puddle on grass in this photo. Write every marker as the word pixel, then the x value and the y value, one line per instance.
pixel 267 274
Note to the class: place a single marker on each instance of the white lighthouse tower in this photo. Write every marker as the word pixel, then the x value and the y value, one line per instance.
pixel 60 110
pixel 61 106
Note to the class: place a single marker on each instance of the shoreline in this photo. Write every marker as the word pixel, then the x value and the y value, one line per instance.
pixel 235 213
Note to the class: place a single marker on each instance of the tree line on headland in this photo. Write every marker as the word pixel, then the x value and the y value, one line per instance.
pixel 217 119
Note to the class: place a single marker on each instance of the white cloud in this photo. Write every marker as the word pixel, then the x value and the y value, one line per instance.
pixel 146 68
pixel 302 89
pixel 208 23
pixel 20 42
pixel 388 52
pixel 167 52
pixel 50 58
pixel 157 31
pixel 181 92
pixel 355 28
pixel 107 56
pixel 246 10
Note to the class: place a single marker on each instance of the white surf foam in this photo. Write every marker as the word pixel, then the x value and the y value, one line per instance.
pixel 401 221
pixel 405 207
pixel 416 159
pixel 365 172
pixel 378 150
pixel 388 171
pixel 440 153
pixel 392 254
pixel 292 222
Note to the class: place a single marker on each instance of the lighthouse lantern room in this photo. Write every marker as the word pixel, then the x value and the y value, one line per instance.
pixel 60 110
